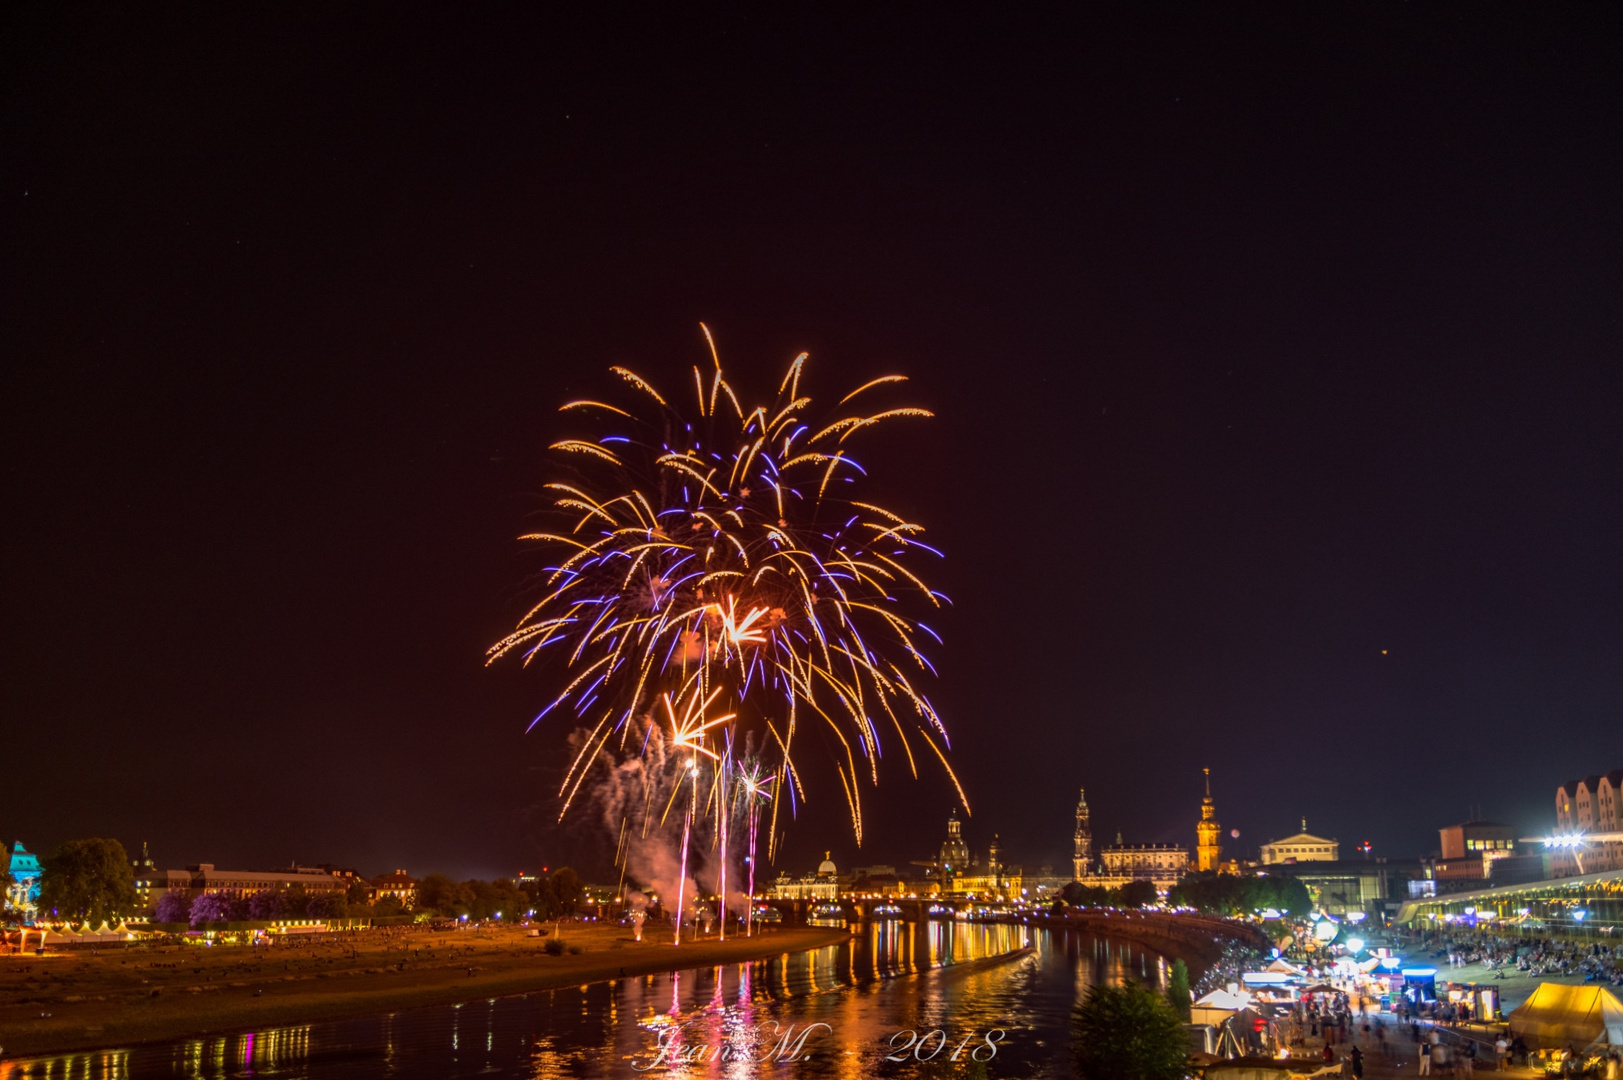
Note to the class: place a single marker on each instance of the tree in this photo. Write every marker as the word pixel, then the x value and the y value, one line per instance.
pixel 1178 989
pixel 388 905
pixel 212 907
pixel 566 889
pixel 358 893
pixel 1079 895
pixel 440 894
pixel 1136 894
pixel 173 907
pixel 1293 897
pixel 327 905
pixel 88 881
pixel 267 905
pixel 1227 895
pixel 1127 1033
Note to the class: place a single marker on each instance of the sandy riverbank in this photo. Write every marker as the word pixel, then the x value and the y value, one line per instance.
pixel 76 1001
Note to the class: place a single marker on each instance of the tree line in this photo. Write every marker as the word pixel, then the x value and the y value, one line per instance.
pixel 93 881
pixel 1225 894
pixel 1133 894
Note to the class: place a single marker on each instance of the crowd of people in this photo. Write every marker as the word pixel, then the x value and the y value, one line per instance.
pixel 1595 961
pixel 1237 957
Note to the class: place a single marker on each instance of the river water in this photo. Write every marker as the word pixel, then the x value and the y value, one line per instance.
pixel 899 1000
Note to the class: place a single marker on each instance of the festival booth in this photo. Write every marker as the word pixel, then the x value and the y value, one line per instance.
pixel 1271 987
pixel 1218 1006
pixel 1480 1002
pixel 1419 984
pixel 1557 1016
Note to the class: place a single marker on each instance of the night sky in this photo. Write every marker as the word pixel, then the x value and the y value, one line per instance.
pixel 1275 352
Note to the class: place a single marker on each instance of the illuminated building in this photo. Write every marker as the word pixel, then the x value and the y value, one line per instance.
pixel 398 884
pixel 1303 847
pixel 23 892
pixel 1161 864
pixel 1119 863
pixel 954 856
pixel 998 881
pixel 1471 850
pixel 823 885
pixel 204 878
pixel 956 872
pixel 1082 858
pixel 1591 805
pixel 879 880
pixel 1208 832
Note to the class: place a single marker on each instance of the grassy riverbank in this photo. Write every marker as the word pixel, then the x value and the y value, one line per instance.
pixel 76 1001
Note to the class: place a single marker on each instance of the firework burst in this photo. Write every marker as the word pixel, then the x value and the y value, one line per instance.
pixel 715 562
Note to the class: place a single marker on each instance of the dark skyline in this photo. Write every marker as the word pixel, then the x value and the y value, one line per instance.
pixel 1274 355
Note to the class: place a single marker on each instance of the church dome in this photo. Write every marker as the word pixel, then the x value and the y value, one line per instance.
pixel 826 867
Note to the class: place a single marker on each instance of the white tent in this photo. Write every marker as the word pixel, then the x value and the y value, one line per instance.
pixel 1217 1007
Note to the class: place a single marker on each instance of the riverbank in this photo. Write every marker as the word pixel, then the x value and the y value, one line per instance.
pixel 77 1001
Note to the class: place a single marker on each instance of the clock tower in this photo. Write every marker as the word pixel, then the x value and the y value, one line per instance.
pixel 1208 845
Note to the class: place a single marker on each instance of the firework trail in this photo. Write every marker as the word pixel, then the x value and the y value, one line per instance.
pixel 717 556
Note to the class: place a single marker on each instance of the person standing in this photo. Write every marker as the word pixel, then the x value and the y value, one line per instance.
pixel 1425 1059
pixel 1357 1064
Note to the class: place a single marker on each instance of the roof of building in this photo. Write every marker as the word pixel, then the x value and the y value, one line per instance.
pixel 1614 778
pixel 395 878
pixel 1302 838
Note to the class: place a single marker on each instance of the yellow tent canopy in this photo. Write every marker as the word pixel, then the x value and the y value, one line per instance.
pixel 1556 1015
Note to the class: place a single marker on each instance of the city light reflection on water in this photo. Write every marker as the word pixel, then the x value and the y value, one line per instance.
pixel 892 977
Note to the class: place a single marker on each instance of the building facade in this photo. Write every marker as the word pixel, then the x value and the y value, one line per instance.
pixel 999 881
pixel 1208 833
pixel 1162 864
pixel 204 878
pixel 1373 886
pixel 398 884
pixel 1593 805
pixel 953 858
pixel 1468 851
pixel 1303 847
pixel 823 885
pixel 1082 861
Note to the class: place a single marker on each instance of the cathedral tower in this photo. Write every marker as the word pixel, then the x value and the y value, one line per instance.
pixel 953 860
pixel 1083 857
pixel 1208 846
